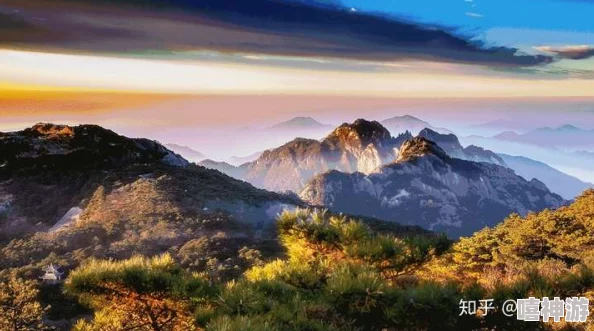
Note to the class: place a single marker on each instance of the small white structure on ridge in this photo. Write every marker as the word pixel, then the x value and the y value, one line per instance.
pixel 52 275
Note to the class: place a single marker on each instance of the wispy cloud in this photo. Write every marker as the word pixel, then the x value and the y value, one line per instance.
pixel 473 14
pixel 573 52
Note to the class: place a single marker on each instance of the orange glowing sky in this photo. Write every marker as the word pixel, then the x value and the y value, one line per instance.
pixel 24 70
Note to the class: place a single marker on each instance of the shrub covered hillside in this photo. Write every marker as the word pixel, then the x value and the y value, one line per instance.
pixel 550 242
pixel 339 274
pixel 149 210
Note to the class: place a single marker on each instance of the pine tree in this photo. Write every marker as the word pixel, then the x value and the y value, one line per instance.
pixel 19 308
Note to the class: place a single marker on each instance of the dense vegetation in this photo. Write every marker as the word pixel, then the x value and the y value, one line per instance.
pixel 143 210
pixel 342 274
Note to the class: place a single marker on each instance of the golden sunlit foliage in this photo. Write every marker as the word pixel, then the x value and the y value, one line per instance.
pixel 341 274
pixel 136 294
pixel 551 241
pixel 19 308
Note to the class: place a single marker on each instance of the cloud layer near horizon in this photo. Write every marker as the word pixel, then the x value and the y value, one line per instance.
pixel 578 52
pixel 257 26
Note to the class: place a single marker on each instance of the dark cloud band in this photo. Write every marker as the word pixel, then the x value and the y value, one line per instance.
pixel 256 26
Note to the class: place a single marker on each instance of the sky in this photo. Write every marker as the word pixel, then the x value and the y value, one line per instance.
pixel 169 69
pixel 444 48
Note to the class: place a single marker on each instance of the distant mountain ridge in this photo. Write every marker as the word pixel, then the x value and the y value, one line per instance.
pixel 401 124
pixel 499 125
pixel 187 152
pixel 230 170
pixel 300 123
pixel 426 187
pixel 565 185
pixel 565 136
pixel 239 160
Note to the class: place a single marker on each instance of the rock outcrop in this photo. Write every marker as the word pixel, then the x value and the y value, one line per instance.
pixel 426 187
pixel 362 146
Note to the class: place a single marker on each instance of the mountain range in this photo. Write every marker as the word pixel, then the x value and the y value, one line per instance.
pixel 228 169
pixel 565 136
pixel 278 161
pixel 362 170
pixel 565 185
pixel 360 146
pixel 429 180
pixel 426 187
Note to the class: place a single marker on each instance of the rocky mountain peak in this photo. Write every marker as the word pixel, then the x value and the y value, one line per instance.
pixel 361 132
pixel 441 139
pixel 451 145
pixel 361 146
pixel 407 135
pixel 419 147
pixel 51 130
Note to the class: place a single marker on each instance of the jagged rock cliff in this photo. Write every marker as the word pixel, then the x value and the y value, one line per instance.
pixel 361 146
pixel 427 187
pixel 451 145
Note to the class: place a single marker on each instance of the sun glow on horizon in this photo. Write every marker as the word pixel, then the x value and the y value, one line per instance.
pixel 21 70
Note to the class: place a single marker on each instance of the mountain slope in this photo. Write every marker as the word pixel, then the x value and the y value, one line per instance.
pixel 49 146
pixel 553 241
pixel 360 146
pixel 52 173
pixel 565 185
pixel 426 187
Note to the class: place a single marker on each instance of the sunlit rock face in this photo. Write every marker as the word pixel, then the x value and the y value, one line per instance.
pixel 362 146
pixel 427 187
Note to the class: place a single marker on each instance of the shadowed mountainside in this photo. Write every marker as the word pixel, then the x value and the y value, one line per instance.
pixel 50 169
pixel 565 185
pixel 451 145
pixel 427 187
